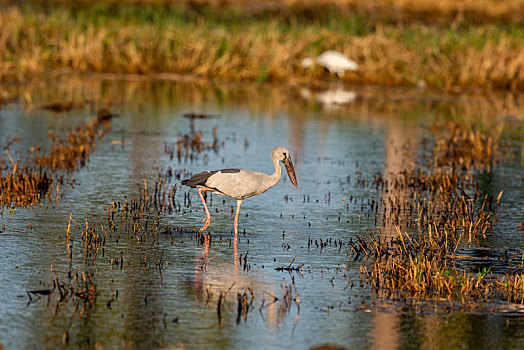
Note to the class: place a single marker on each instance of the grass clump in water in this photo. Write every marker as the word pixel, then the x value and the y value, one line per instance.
pixel 452 213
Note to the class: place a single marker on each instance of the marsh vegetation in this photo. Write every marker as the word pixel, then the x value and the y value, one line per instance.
pixel 427 222
pixel 407 221
pixel 444 46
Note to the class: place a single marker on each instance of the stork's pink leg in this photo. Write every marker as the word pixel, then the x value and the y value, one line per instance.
pixel 239 203
pixel 235 253
pixel 207 219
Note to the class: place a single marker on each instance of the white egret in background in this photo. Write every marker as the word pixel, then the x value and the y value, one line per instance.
pixel 333 61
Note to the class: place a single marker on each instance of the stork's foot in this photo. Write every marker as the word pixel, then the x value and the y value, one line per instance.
pixel 207 221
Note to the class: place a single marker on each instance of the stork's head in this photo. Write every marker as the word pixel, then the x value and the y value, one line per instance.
pixel 282 154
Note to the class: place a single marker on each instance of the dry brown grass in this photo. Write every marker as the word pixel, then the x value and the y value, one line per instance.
pixel 72 151
pixel 194 40
pixel 451 213
pixel 23 186
pixel 466 148
pixel 26 185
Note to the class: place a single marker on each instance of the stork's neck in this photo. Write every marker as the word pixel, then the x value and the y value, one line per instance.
pixel 278 172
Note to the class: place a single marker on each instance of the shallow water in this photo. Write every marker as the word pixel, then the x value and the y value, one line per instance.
pixel 170 284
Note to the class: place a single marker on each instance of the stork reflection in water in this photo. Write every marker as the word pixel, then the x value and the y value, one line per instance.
pixel 239 183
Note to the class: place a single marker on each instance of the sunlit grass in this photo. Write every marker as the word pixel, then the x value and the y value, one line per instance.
pixel 237 44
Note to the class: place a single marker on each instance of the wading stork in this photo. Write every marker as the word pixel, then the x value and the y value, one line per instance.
pixel 239 183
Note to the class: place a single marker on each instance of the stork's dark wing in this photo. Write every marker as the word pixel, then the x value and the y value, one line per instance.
pixel 198 179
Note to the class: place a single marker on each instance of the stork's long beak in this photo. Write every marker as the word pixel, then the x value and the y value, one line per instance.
pixel 290 170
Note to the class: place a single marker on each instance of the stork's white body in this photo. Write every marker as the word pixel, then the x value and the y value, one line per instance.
pixel 239 183
pixel 242 184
